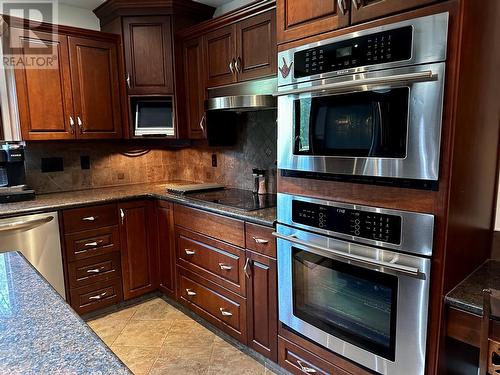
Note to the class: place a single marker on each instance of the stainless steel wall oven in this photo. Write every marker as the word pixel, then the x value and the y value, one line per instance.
pixel 368 103
pixel 355 279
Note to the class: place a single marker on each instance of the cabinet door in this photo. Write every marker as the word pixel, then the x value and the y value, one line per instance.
pixel 220 51
pixel 166 246
pixel 256 46
pixel 300 19
pixel 148 55
pixel 364 10
pixel 194 87
pixel 44 95
pixel 139 255
pixel 262 307
pixel 96 91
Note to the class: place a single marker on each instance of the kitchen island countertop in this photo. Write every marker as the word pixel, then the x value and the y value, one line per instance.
pixel 40 333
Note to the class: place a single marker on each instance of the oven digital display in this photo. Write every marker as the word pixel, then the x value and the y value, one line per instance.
pixel 370 225
pixel 378 48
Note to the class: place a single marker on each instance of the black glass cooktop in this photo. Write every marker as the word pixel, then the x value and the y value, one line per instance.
pixel 237 198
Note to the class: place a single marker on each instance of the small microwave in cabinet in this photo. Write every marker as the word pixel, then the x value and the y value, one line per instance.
pixel 153 116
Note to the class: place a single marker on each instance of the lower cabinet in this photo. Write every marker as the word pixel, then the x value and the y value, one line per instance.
pixel 138 247
pixel 166 247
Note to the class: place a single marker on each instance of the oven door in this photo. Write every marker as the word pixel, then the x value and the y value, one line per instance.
pixel 366 304
pixel 380 124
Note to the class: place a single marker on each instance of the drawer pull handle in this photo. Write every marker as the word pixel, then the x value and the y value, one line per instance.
pixel 224 312
pixel 225 267
pixel 307 370
pixel 95 270
pixel 190 292
pixel 99 296
pixel 93 244
pixel 260 241
pixel 189 252
pixel 90 218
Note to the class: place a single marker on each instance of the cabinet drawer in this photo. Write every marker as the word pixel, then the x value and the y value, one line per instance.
pixel 214 260
pixel 212 302
pixel 299 361
pixel 95 269
pixel 80 219
pixel 213 225
pixel 92 243
pixel 96 296
pixel 260 239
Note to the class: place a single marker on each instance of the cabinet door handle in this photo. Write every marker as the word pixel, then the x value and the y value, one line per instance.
pixel 342 6
pixel 224 312
pixel 260 241
pixel 202 124
pixel 307 370
pixel 225 267
pixel 93 244
pixel 190 292
pixel 238 64
pixel 99 296
pixel 246 268
pixel 189 252
pixel 356 4
pixel 128 80
pixel 231 66
pixel 71 125
pixel 80 124
pixel 90 218
pixel 122 216
pixel 95 270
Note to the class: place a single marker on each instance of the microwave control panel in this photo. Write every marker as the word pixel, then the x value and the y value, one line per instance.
pixel 369 225
pixel 380 48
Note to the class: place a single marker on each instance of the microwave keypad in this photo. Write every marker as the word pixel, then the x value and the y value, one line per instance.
pixel 369 225
pixel 379 48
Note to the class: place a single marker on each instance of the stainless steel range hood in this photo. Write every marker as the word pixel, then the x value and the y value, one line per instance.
pixel 254 95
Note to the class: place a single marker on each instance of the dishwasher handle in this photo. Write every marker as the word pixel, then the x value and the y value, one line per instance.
pixel 25 224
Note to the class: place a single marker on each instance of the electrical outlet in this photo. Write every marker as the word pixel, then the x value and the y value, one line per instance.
pixel 214 160
pixel 52 165
pixel 85 162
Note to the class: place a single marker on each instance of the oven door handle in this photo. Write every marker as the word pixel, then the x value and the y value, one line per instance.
pixel 365 84
pixel 411 271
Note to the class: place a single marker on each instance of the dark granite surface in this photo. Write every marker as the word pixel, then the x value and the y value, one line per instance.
pixel 467 295
pixel 56 201
pixel 40 333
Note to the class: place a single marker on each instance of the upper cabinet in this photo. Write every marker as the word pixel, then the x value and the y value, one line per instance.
pixel 76 98
pixel 220 48
pixel 364 10
pixel 148 55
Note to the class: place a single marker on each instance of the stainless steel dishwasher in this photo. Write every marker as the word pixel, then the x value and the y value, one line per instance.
pixel 37 238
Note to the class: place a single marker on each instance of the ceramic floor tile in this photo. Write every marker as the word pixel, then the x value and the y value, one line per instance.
pixel 179 366
pixel 107 329
pixel 138 359
pixel 143 333
pixel 157 309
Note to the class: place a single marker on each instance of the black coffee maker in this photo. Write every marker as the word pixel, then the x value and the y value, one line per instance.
pixel 12 175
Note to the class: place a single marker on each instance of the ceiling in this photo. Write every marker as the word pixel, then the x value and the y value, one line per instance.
pixel 92 4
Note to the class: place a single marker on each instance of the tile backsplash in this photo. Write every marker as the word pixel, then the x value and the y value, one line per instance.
pixel 119 163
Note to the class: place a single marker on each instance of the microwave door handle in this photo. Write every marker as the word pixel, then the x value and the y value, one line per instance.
pixel 410 271
pixel 364 83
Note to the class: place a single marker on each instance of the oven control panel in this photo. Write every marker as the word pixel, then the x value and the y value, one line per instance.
pixel 369 225
pixel 379 48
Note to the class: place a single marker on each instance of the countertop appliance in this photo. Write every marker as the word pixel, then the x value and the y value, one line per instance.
pixel 237 198
pixel 12 175
pixel 355 279
pixel 365 104
pixel 37 238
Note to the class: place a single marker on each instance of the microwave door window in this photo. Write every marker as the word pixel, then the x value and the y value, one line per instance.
pixel 152 115
pixel 352 303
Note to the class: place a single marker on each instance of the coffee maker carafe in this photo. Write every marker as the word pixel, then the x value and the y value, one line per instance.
pixel 12 175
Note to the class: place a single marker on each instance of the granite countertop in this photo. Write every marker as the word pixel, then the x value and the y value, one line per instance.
pixel 57 201
pixel 40 333
pixel 468 295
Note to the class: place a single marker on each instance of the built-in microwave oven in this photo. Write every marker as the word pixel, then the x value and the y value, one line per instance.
pixel 365 104
pixel 153 116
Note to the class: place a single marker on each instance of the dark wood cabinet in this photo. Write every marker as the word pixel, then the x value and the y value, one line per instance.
pixel 166 247
pixel 256 46
pixel 194 89
pixel 44 95
pixel 138 245
pixel 300 19
pixel 96 90
pixel 262 304
pixel 364 10
pixel 220 46
pixel 148 55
